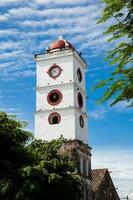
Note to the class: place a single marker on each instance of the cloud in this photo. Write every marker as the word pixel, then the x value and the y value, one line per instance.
pixel 33 25
pixel 97 114
pixel 8 44
pixel 3 18
pixel 120 163
pixel 120 108
pixel 6 2
pixel 12 111
pixel 26 73
pixel 60 1
pixel 55 12
pixel 7 55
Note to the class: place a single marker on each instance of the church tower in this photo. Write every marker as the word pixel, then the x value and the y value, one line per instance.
pixel 60 94
pixel 61 105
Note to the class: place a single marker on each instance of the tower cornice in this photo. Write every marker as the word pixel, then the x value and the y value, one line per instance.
pixel 62 109
pixel 39 88
pixel 60 53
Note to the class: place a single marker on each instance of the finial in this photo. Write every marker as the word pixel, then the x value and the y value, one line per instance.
pixel 60 37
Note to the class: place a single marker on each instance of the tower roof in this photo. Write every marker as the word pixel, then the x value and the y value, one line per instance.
pixel 59 44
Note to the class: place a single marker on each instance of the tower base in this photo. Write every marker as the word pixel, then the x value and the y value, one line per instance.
pixel 80 154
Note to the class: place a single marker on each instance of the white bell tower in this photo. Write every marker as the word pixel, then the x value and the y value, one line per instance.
pixel 60 94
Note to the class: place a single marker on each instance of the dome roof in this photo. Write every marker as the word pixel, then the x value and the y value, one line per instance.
pixel 59 44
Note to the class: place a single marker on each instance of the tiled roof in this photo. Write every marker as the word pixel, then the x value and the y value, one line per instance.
pixel 97 176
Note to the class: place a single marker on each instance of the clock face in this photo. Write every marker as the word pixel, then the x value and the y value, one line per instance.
pixel 54 71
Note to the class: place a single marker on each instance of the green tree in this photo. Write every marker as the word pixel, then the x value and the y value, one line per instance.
pixel 13 153
pixel 33 170
pixel 119 86
pixel 52 176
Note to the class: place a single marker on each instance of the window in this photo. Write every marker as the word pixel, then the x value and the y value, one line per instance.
pixel 79 74
pixel 54 97
pixel 81 121
pixel 54 118
pixel 80 100
pixel 84 167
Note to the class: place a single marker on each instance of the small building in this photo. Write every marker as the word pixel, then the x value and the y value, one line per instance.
pixel 102 185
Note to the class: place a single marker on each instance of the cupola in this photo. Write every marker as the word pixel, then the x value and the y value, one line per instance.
pixel 59 44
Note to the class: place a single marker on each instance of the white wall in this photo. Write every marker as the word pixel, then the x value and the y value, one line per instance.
pixel 81 133
pixel 69 126
pixel 46 131
pixel 76 65
pixel 66 63
pixel 67 97
pixel 76 99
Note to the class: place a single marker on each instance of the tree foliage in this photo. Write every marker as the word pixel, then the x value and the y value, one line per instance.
pixel 119 86
pixel 35 170
pixel 13 153
pixel 52 176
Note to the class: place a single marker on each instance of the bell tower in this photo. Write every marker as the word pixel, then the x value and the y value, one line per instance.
pixel 61 105
pixel 60 94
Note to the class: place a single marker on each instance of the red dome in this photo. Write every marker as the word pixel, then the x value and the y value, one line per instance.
pixel 59 44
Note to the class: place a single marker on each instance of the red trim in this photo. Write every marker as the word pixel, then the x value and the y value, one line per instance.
pixel 52 66
pixel 59 100
pixel 52 115
pixel 81 123
pixel 79 74
pixel 80 100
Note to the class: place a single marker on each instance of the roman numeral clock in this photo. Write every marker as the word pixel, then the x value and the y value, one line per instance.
pixel 60 94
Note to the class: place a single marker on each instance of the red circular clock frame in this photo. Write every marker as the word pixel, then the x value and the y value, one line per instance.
pixel 53 66
pixel 54 97
pixel 53 115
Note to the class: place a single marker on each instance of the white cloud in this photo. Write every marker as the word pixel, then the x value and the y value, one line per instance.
pixel 5 2
pixel 120 163
pixel 10 109
pixel 9 32
pixel 121 106
pixel 7 64
pixel 26 73
pixel 32 23
pixel 3 18
pixel 60 1
pixel 7 55
pixel 4 45
pixel 55 12
pixel 97 114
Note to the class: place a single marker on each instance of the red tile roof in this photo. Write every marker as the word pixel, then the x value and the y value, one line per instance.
pixel 97 176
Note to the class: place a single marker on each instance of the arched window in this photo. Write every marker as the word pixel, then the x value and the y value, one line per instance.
pixel 81 121
pixel 54 97
pixel 79 74
pixel 80 100
pixel 54 118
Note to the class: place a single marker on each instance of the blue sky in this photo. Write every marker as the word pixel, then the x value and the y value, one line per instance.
pixel 28 27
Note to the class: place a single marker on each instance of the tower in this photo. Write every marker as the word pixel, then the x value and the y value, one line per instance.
pixel 60 94
pixel 61 105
